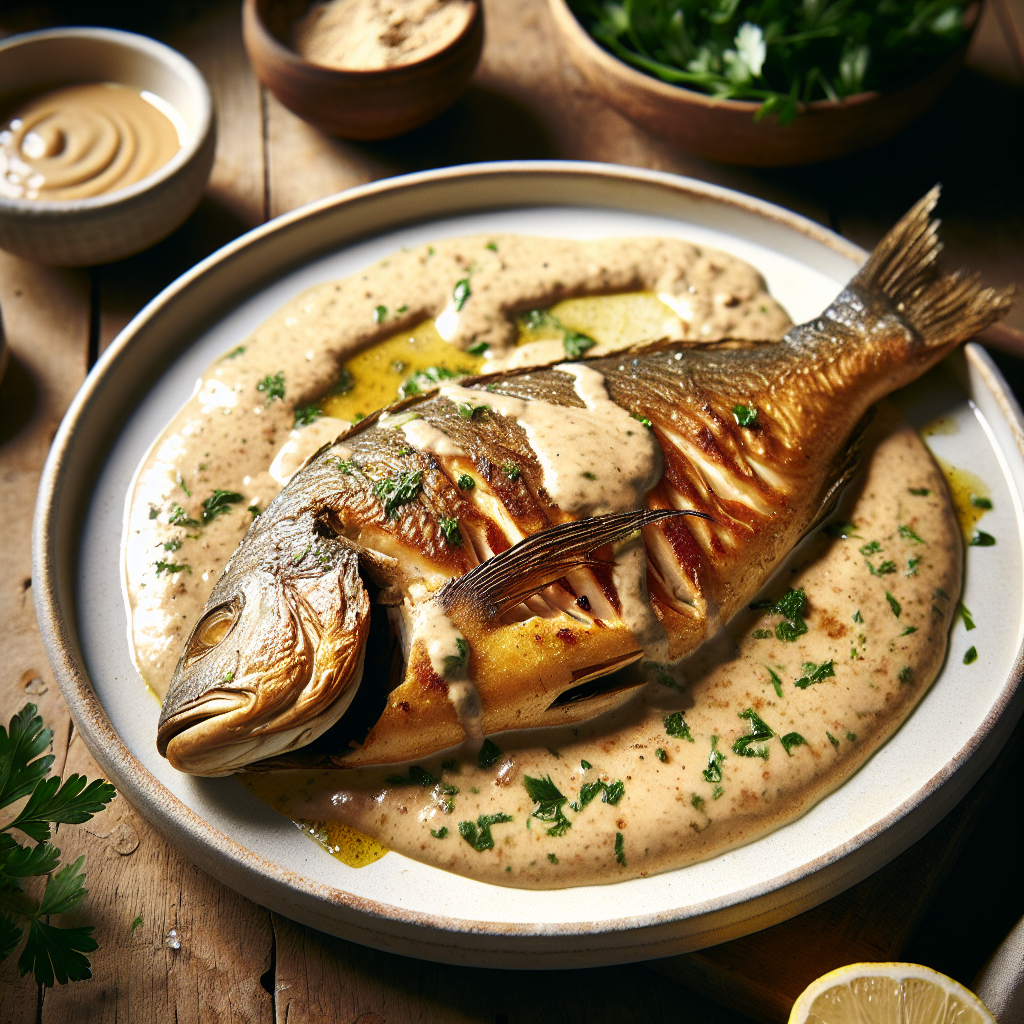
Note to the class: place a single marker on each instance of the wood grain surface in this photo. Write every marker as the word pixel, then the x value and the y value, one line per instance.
pixel 237 961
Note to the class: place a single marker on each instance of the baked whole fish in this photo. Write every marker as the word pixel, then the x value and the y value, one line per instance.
pixel 533 532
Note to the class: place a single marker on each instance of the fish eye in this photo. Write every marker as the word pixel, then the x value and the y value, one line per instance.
pixel 213 628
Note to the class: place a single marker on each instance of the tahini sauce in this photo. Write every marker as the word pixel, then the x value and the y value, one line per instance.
pixel 86 140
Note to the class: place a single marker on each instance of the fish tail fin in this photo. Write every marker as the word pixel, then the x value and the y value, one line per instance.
pixel 941 308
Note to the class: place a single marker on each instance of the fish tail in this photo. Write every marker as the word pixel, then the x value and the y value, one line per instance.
pixel 942 309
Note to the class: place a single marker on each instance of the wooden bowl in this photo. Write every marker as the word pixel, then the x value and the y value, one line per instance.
pixel 725 130
pixel 361 105
pixel 99 229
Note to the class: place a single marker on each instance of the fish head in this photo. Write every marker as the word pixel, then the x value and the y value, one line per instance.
pixel 273 663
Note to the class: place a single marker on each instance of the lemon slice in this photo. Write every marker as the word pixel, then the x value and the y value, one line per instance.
pixel 888 994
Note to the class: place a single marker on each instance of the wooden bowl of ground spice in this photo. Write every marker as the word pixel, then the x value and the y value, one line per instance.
pixel 364 69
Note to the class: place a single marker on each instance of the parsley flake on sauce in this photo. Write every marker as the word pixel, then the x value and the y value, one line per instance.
pixel 814 673
pixel 661 755
pixel 776 681
pixel 832 739
pixel 920 492
pixel 620 853
pixel 697 801
pixel 575 344
pixel 396 491
pixel 791 740
pixel 466 482
pixel 456 663
pixel 549 800
pixel 893 604
pixel 171 568
pixel 908 534
pixel 745 416
pixel 306 414
pixel 762 634
pixel 179 517
pixel 885 568
pixel 759 732
pixel 380 314
pixel 905 674
pixel 440 833
pixel 675 726
pixel 713 772
pixel 478 834
pixel 460 293
pixel 272 386
pixel 218 503
pixel 450 529
pixel 791 607
pixel 490 754
pixel 871 548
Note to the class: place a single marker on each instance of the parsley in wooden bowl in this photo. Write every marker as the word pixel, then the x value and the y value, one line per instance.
pixel 770 83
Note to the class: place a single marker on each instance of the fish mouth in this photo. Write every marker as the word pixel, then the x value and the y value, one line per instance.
pixel 208 735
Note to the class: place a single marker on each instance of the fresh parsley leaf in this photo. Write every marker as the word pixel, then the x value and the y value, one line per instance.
pixel 814 673
pixel 467 410
pixel 713 772
pixel 791 607
pixel 549 800
pixel 18 861
pixel 745 415
pixel 10 935
pixel 306 414
pixel 460 293
pixel 613 792
pixel 791 740
pixel 71 803
pixel 490 754
pixel 23 741
pixel 65 889
pixel 907 630
pixel 179 517
pixel 908 534
pixel 440 833
pixel 893 604
pixel 218 503
pixel 832 739
pixel 478 835
pixel 272 386
pixel 759 732
pixel 620 852
pixel 396 491
pixel 776 681
pixel 675 725
pixel 53 953
pixel 450 529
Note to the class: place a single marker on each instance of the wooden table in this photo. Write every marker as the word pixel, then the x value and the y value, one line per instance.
pixel 238 961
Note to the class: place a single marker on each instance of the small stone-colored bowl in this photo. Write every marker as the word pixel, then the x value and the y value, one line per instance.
pixel 99 229
pixel 359 105
pixel 725 130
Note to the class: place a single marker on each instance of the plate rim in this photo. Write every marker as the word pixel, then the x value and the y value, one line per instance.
pixel 651 934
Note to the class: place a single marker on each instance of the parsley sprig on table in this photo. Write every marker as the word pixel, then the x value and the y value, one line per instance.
pixel 50 952
pixel 777 51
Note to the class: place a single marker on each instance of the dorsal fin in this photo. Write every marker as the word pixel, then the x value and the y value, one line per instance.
pixel 537 561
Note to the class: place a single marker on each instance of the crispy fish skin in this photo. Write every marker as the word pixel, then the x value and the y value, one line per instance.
pixel 759 487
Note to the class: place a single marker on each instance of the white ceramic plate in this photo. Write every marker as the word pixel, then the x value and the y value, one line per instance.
pixel 402 905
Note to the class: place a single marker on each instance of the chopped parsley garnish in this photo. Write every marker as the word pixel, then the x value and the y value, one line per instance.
pixel 791 740
pixel 170 568
pixel 745 416
pixel 450 529
pixel 979 501
pixel 966 616
pixel 981 539
pixel 440 833
pixel 791 607
pixel 478 348
pixel 586 765
pixel 575 344
pixel 424 380
pixel 380 314
pixel 675 726
pixel 466 482
pixel 611 793
pixel 660 754
pixel 832 739
pixel 851 736
pixel 840 530
pixel 306 414
pixel 762 634
pixel 759 732
pixel 403 308
pixel 620 853
pixel 971 655
pixel 482 840
pixel 908 534
pixel 236 351
pixel 218 503
pixel 921 492
pixel 884 569
pixel 455 663
pixel 912 565
pixel 343 385
pixel 396 491
pixel 893 604
pixel 492 246
pixel 588 475
pixel 552 858
pixel 421 777
pixel 907 630
pixel 713 772
pixel 776 681
pixel 53 954
pixel 153 511
pixel 181 484
pixel 490 754
pixel 871 548
pixel 179 517
pixel 814 673
pixel 460 293
pixel 643 419
pixel 697 801
pixel 255 510
pixel 905 674
pixel 346 465
pixel 467 411
pixel 857 617
pixel 272 386
pixel 512 471
pixel 173 545
pixel 549 800
pixel 717 792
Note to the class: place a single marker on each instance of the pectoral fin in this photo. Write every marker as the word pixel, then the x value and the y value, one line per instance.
pixel 529 566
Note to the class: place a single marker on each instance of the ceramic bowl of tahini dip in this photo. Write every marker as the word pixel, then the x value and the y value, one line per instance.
pixel 364 69
pixel 106 143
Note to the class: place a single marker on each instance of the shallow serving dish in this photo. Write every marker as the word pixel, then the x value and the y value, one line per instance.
pixel 99 229
pixel 364 105
pixel 402 905
pixel 725 130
